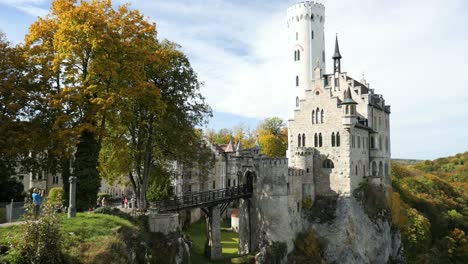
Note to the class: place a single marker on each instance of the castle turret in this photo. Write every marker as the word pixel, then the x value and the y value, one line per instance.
pixel 336 58
pixel 305 21
pixel 349 109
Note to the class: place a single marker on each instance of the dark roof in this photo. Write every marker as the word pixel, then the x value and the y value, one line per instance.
pixel 364 89
pixel 361 126
pixel 337 54
pixel 348 98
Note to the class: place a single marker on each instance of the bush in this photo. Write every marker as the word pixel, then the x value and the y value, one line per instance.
pixel 56 197
pixel 307 203
pixel 40 241
pixel 276 252
pixel 306 249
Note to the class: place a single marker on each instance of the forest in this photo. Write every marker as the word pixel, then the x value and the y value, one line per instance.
pixel 429 205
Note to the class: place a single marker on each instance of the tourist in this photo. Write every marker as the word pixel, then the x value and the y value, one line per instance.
pixel 37 199
pixel 125 202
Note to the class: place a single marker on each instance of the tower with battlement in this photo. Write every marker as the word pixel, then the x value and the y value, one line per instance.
pixel 306 48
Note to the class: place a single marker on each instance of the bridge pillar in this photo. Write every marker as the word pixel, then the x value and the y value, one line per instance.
pixel 213 247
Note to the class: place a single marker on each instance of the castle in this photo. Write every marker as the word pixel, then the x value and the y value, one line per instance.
pixel 338 137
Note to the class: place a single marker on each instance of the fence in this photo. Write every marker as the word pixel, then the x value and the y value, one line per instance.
pixel 11 212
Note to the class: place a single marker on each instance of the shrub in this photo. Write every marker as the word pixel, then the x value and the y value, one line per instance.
pixel 56 197
pixel 306 249
pixel 40 241
pixel 307 203
pixel 276 252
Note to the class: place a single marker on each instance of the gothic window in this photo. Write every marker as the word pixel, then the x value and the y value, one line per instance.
pixel 295 55
pixel 356 170
pixel 317 116
pixel 297 101
pixel 313 116
pixel 386 145
pixel 312 17
pixel 299 140
pixel 380 169
pixel 303 140
pixel 298 55
pixel 321 116
pixel 214 184
pixel 374 169
pixel 371 140
pixel 315 140
pixel 229 183
pixel 320 139
pixel 234 183
pixel 352 141
pixel 328 164
pixel 347 109
pixel 337 139
pixel 297 80
pixel 380 143
pixel 333 139
pixel 287 186
pixel 359 142
pixel 312 34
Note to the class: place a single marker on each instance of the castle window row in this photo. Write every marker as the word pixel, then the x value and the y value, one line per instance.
pixel 318 116
pixel 373 143
pixel 382 170
pixel 318 140
pixel 297 55
pixel 335 139
pixel 358 141
pixel 301 140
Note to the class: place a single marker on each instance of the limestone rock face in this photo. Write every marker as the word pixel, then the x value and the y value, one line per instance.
pixel 351 235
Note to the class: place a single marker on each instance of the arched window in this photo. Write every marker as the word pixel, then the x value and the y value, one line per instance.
pixel 297 80
pixel 312 34
pixel 371 141
pixel 297 101
pixel 328 164
pixel 356 170
pixel 333 139
pixel 317 116
pixel 303 140
pixel 337 139
pixel 320 139
pixel 380 143
pixel 315 140
pixel 374 169
pixel 299 140
pixel 298 55
pixel 312 17
pixel 321 116
pixel 387 149
pixel 295 55
pixel 380 169
pixel 313 116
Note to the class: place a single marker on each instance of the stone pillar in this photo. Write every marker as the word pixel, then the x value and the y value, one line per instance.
pixel 72 205
pixel 214 247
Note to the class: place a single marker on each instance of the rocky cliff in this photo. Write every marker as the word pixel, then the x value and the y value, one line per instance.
pixel 355 229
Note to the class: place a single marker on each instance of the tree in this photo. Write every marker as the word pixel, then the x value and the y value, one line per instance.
pixel 91 59
pixel 156 127
pixel 273 137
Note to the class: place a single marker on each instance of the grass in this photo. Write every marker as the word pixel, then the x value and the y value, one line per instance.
pixel 229 242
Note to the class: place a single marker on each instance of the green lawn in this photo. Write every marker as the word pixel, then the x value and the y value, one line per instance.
pixel 229 241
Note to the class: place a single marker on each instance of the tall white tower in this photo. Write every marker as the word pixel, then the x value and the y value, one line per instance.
pixel 305 21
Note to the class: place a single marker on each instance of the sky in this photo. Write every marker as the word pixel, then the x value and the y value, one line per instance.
pixel 414 52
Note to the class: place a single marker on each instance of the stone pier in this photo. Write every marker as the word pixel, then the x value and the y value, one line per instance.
pixel 213 247
pixel 72 205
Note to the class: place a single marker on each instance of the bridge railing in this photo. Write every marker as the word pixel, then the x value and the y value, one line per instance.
pixel 200 198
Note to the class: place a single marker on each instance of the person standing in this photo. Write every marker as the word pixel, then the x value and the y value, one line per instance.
pixel 37 200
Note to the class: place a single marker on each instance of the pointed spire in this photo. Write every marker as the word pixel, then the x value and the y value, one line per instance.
pixel 348 98
pixel 336 55
pixel 239 147
pixel 229 147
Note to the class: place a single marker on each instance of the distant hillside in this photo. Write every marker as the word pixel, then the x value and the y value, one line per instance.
pixel 430 205
pixel 406 161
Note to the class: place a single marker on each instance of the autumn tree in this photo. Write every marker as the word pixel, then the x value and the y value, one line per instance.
pixel 272 135
pixel 91 57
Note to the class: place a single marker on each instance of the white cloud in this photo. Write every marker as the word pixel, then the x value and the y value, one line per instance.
pixel 30 7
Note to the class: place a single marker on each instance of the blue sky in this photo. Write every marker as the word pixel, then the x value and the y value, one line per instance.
pixel 413 52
